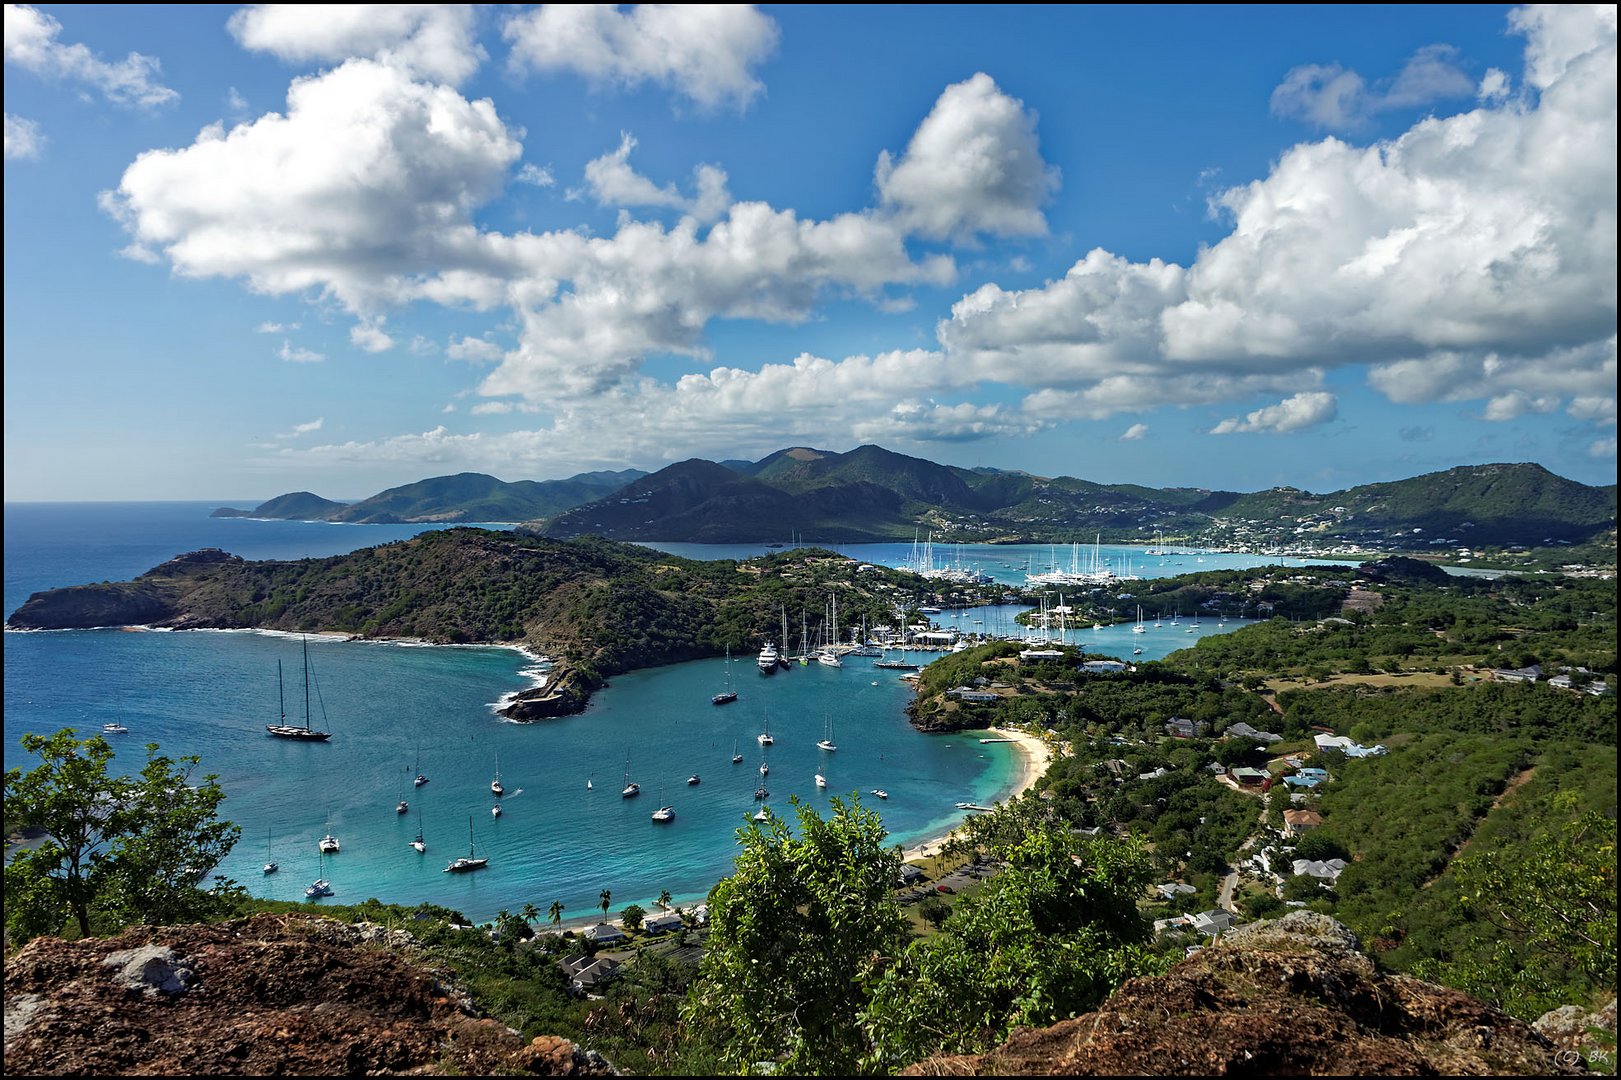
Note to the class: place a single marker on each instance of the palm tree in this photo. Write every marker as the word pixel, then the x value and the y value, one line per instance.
pixel 664 899
pixel 556 912
pixel 530 913
pixel 605 898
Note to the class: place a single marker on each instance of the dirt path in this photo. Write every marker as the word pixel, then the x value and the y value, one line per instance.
pixel 1517 781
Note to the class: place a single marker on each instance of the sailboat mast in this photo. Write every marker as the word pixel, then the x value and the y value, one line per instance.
pixel 281 696
pixel 306 684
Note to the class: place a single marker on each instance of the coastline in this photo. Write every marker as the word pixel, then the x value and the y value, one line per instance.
pixel 1034 757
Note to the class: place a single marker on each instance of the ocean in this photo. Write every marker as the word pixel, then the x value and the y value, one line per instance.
pixel 394 709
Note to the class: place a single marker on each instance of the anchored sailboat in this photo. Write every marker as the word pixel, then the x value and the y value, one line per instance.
pixel 463 864
pixel 827 742
pixel 284 730
pixel 320 886
pixel 728 695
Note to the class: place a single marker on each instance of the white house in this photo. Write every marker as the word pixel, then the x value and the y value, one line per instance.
pixel 662 923
pixel 604 934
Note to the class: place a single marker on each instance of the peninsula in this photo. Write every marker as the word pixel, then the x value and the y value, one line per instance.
pixel 600 607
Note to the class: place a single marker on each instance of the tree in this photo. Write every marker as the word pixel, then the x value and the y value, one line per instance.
pixel 555 912
pixel 1048 937
pixel 798 934
pixel 1553 905
pixel 631 918
pixel 605 898
pixel 530 914
pixel 664 899
pixel 131 848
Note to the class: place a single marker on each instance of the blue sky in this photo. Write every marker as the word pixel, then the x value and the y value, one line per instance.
pixel 264 249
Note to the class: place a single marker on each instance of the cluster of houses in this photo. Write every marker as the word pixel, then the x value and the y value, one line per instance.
pixel 1577 679
pixel 1212 923
pixel 587 972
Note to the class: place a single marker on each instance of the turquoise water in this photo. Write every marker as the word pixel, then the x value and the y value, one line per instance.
pixel 211 693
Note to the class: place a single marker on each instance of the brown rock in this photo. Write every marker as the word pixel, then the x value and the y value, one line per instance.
pixel 1287 998
pixel 271 995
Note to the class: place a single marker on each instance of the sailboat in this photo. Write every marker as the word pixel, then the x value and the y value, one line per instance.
pixel 421 777
pixel 496 811
pixel 328 842
pixel 737 758
pixel 827 742
pixel 764 738
pixel 821 781
pixel 588 784
pixel 271 865
pixel 320 886
pixel 664 813
pixel 763 814
pixel 462 864
pixel 284 730
pixel 764 769
pixel 495 785
pixel 419 843
pixel 629 788
pixel 728 695
pixel 1139 628
pixel 827 656
pixel 402 806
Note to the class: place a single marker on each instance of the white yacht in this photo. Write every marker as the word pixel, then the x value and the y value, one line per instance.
pixel 768 658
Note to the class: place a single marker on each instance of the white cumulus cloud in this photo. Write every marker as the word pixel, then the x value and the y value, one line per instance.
pixel 612 182
pixel 297 354
pixel 365 185
pixel 1472 256
pixel 1291 414
pixel 1331 97
pixel 434 41
pixel 706 52
pixel 23 139
pixel 536 176
pixel 31 44
pixel 973 166
pixel 1134 432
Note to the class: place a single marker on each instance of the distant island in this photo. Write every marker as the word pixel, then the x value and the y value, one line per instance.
pixel 464 497
pixel 873 494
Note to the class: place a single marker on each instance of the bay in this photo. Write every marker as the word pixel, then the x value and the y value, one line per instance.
pixel 392 706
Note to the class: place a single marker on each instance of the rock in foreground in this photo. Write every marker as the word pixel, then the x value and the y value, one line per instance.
pixel 269 995
pixel 1293 997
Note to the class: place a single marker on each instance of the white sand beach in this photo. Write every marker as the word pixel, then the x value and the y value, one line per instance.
pixel 1034 757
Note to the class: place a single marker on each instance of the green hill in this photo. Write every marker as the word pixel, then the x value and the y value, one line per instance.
pixel 871 493
pixel 464 497
pixel 295 506
pixel 601 607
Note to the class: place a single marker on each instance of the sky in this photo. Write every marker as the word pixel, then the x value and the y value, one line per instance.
pixel 254 250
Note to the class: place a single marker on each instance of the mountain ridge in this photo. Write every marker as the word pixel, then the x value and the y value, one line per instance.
pixel 458 498
pixel 870 494
pixel 873 494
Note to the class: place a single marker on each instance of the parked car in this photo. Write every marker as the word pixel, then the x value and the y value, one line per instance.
pixel 944 888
